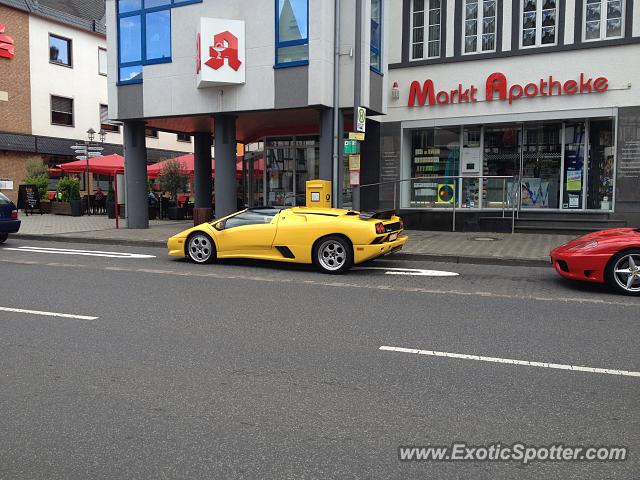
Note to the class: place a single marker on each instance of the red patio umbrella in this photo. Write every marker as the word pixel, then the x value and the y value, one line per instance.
pixel 107 165
pixel 154 171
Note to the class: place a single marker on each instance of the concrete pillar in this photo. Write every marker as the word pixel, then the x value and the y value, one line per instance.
pixel 202 211
pixel 326 143
pixel 225 153
pixel 135 165
pixel 202 169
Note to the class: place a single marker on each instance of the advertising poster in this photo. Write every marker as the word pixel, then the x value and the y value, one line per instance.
pixel 574 180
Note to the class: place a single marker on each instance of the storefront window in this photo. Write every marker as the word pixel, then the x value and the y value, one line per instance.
pixel 601 157
pixel 435 155
pixel 541 161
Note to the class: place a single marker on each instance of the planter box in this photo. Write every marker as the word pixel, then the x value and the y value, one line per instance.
pixel 176 213
pixel 45 207
pixel 61 208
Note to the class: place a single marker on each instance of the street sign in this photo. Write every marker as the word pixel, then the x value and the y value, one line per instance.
pixel 354 162
pixel 354 178
pixel 78 147
pixel 356 136
pixel 95 149
pixel 94 154
pixel 81 157
pixel 361 122
pixel 350 147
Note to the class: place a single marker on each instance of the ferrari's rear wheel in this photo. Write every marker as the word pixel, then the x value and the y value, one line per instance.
pixel 333 255
pixel 623 272
pixel 200 248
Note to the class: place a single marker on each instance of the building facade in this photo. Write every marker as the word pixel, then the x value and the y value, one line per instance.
pixel 257 73
pixel 53 88
pixel 535 103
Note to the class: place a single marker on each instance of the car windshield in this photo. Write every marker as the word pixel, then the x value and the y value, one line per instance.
pixel 4 200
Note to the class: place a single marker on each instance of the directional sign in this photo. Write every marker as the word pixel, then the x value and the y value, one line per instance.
pixel 78 147
pixel 94 154
pixel 95 149
pixel 361 122
pixel 81 157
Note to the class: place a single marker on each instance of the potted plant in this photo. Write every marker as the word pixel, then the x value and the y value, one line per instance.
pixel 111 202
pixel 69 198
pixel 173 180
pixel 38 175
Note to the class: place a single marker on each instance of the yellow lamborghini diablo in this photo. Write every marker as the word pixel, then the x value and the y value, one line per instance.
pixel 332 239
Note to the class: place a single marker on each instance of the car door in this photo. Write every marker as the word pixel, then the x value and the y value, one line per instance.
pixel 249 232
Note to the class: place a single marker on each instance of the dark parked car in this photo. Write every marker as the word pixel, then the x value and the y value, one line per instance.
pixel 9 222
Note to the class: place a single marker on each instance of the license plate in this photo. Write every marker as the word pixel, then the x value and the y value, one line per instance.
pixel 393 237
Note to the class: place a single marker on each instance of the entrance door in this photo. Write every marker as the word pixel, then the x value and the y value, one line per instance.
pixel 574 166
pixel 290 163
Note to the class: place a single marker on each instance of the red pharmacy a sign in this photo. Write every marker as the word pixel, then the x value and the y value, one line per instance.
pixel 6 44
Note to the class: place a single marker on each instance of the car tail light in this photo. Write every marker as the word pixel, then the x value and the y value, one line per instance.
pixel 14 213
pixel 380 228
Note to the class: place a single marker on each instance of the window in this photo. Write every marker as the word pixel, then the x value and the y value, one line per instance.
pixel 102 61
pixel 376 35
pixel 144 35
pixel 151 132
pixel 4 200
pixel 183 137
pixel 61 111
pixel 292 32
pixel 60 50
pixel 105 124
pixel 479 26
pixel 425 29
pixel 539 19
pixel 259 216
pixel 603 19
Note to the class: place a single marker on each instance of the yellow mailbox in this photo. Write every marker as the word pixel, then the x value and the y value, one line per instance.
pixel 319 193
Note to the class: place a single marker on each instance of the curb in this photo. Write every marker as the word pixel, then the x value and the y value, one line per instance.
pixel 424 257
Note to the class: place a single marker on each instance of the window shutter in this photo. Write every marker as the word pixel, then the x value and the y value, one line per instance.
pixel 62 105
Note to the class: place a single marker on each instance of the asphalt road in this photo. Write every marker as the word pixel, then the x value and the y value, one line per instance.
pixel 255 370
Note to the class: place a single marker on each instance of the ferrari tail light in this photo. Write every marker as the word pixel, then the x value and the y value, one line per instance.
pixel 14 213
pixel 379 228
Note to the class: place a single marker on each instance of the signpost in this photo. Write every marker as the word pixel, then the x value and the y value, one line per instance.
pixel 85 152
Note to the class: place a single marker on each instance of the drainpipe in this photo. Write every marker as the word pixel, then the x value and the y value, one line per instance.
pixel 357 90
pixel 336 106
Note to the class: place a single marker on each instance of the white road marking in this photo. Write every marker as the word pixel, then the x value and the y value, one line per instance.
pixel 417 272
pixel 47 314
pixel 88 253
pixel 510 361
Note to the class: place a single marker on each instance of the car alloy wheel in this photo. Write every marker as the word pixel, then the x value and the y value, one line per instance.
pixel 200 248
pixel 626 272
pixel 332 255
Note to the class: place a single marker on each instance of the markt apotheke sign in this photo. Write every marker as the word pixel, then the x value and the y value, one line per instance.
pixel 498 88
pixel 220 52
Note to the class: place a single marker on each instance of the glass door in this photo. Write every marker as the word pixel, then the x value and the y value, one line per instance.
pixel 280 172
pixel 501 158
pixel 574 166
pixel 601 159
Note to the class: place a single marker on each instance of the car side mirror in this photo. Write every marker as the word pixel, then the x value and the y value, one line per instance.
pixel 219 226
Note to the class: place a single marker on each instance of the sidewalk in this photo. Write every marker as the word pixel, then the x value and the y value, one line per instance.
pixel 528 249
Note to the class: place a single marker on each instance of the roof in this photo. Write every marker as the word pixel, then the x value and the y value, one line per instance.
pixel 84 14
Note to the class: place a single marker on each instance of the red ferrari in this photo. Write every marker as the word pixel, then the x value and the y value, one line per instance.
pixel 608 256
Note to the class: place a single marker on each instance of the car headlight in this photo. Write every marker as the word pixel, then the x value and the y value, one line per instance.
pixel 584 245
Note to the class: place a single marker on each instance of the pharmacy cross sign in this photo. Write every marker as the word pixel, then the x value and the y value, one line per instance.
pixel 6 44
pixel 225 45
